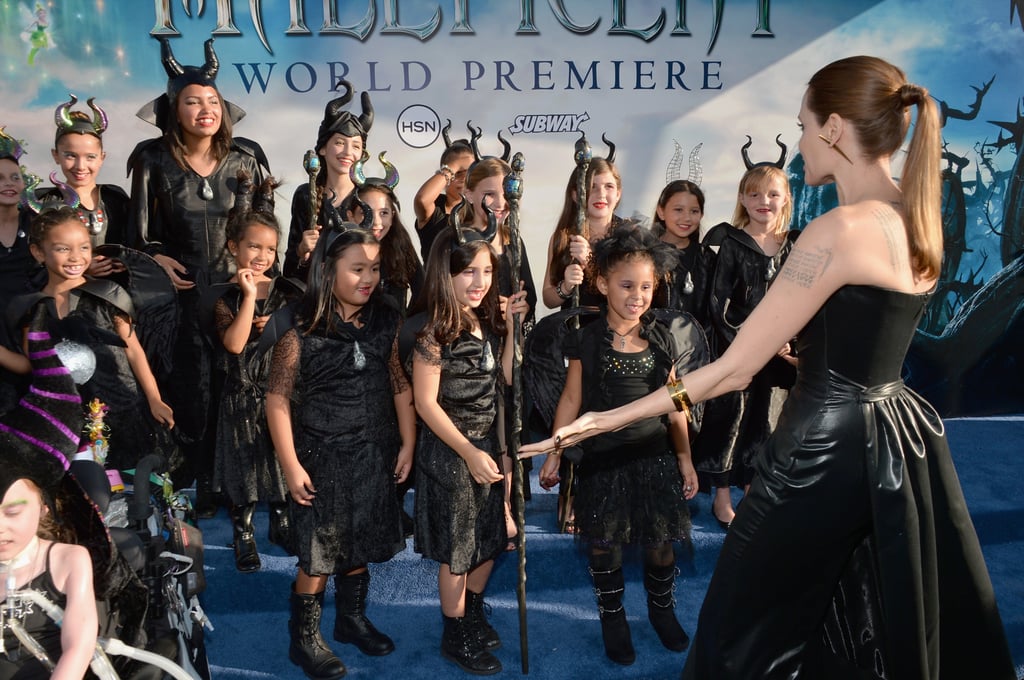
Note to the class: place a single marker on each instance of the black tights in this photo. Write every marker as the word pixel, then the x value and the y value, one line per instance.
pixel 604 559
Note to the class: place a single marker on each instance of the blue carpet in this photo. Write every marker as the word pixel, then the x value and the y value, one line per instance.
pixel 250 611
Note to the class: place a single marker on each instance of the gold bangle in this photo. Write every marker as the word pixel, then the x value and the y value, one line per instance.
pixel 677 391
pixel 556 452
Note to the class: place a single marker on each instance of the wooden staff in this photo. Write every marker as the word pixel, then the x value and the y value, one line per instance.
pixel 513 187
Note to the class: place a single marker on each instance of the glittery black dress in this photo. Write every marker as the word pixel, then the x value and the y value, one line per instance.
pixel 855 518
pixel 341 383
pixel 459 522
pixel 94 308
pixel 629 489
pixel 246 468
pixel 737 425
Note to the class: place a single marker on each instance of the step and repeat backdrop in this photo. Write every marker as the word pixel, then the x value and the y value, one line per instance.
pixel 676 87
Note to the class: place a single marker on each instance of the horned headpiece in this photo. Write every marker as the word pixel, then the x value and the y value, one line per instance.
pixel 69 121
pixel 346 123
pixel 780 164
pixel 157 112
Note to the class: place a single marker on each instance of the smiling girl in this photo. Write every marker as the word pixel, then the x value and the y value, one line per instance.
pixel 737 424
pixel 569 252
pixel 677 219
pixel 340 413
pixel 633 485
pixel 246 468
pixel 78 151
pixel 462 354
pixel 98 313
pixel 340 144
pixel 183 188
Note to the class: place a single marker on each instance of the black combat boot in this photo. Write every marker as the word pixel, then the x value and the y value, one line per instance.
pixel 247 558
pixel 351 625
pixel 475 612
pixel 308 649
pixel 459 643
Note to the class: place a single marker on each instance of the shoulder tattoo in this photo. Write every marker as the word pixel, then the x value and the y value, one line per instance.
pixel 894 233
pixel 804 267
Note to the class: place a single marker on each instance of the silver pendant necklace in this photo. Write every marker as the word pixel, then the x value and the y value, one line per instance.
pixel 205 190
pixel 622 336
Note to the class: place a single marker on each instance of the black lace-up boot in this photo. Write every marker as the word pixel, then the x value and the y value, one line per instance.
pixel 460 644
pixel 351 625
pixel 476 612
pixel 308 649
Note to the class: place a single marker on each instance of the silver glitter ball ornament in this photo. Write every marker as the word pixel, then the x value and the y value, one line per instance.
pixel 79 359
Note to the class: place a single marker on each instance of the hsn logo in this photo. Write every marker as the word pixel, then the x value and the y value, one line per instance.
pixel 418 126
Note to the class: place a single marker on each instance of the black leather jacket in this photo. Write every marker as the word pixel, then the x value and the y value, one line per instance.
pixel 169 215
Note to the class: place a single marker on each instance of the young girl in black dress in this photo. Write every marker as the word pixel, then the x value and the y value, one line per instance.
pixel 737 425
pixel 99 313
pixel 633 484
pixel 463 348
pixel 339 409
pixel 677 219
pixel 245 466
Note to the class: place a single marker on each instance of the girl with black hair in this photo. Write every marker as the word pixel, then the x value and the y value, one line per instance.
pixel 632 485
pixel 339 409
pixel 245 467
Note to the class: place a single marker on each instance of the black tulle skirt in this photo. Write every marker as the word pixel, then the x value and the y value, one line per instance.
pixel 630 496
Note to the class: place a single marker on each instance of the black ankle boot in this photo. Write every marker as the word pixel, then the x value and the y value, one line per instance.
pixel 477 616
pixel 351 625
pixel 459 644
pixel 660 583
pixel 280 532
pixel 206 498
pixel 609 586
pixel 308 649
pixel 247 559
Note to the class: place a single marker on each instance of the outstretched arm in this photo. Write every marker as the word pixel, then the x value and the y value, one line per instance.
pixel 814 270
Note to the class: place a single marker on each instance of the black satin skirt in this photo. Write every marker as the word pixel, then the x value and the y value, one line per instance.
pixel 853 554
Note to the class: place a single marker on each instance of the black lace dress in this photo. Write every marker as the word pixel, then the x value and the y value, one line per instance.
pixel 341 384
pixel 855 518
pixel 245 467
pixel 629 489
pixel 459 522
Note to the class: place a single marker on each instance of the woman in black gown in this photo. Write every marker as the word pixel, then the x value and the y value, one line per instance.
pixel 856 488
